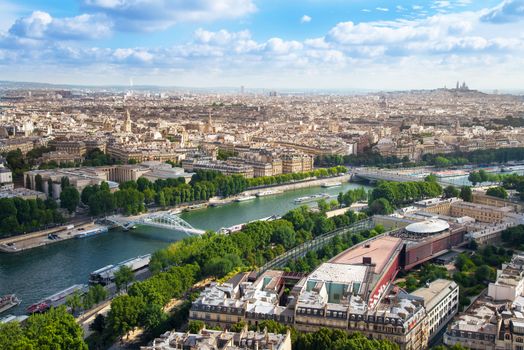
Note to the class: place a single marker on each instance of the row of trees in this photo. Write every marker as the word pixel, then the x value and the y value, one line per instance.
pixel 481 176
pixel 485 156
pixel 285 178
pixel 398 193
pixel 352 196
pixel 19 215
pixel 369 158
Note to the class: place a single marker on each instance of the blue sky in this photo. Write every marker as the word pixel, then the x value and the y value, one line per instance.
pixel 371 44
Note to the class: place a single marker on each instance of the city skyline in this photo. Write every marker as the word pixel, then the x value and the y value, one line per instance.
pixel 311 45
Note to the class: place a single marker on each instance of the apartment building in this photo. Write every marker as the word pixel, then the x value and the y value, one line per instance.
pixel 441 300
pixel 480 212
pixel 221 340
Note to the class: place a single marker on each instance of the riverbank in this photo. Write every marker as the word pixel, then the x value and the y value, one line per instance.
pixel 41 238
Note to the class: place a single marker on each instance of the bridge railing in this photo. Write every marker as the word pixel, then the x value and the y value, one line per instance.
pixel 315 244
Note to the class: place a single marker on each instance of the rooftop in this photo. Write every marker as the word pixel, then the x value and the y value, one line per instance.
pixel 428 226
pixel 379 250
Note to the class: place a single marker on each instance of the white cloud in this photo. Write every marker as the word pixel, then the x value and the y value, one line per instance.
pixel 149 15
pixel 365 53
pixel 40 25
pixel 305 19
pixel 383 9
pixel 507 11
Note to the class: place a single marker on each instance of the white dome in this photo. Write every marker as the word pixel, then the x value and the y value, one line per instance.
pixel 428 226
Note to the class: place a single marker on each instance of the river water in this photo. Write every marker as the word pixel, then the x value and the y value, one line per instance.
pixel 43 271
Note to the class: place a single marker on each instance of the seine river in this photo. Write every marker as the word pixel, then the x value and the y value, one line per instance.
pixel 43 271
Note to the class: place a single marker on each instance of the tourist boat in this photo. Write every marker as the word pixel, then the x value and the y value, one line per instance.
pixel 8 301
pixel 244 198
pixel 268 193
pixel 331 184
pixel 312 198
pixel 55 299
pixel 106 274
pixel 92 232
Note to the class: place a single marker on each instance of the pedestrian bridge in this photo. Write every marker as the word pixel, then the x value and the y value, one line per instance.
pixel 165 220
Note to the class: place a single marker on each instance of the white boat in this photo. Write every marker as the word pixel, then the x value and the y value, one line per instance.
pixel 268 193
pixel 92 232
pixel 312 198
pixel 331 184
pixel 8 301
pixel 244 198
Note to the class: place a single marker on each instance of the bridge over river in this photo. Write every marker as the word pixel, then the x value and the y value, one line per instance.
pixel 165 219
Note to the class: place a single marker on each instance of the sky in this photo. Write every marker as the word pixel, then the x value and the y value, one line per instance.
pixel 286 44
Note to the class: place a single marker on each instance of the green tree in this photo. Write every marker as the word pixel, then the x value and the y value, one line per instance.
pixel 499 192
pixel 475 178
pixel 69 198
pixel 466 194
pixel 74 302
pixel 124 314
pixel 194 327
pixel 123 276
pixel 55 329
pixel 39 186
pixel 50 188
pixel 451 191
pixel 381 206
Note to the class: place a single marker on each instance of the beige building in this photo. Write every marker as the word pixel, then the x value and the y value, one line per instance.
pixel 441 300
pixel 221 340
pixel 479 212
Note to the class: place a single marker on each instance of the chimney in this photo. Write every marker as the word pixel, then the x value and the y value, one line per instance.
pixel 366 260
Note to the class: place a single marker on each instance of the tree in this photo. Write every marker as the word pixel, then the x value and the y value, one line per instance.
pixel 123 277
pixel 55 329
pixel 12 337
pixel 451 192
pixel 194 327
pixel 381 206
pixel 466 194
pixel 99 324
pixel 69 198
pixel 74 302
pixel 39 183
pixel 124 314
pixel 475 178
pixel 499 192
pixel 431 178
pixel 64 182
pixel 50 188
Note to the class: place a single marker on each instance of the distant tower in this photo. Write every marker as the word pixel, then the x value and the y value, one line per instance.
pixel 458 85
pixel 242 90
pixel 127 123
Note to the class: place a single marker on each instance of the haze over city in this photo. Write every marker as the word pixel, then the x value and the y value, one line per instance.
pixel 312 44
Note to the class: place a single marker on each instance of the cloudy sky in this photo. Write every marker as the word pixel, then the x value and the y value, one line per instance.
pixel 370 44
